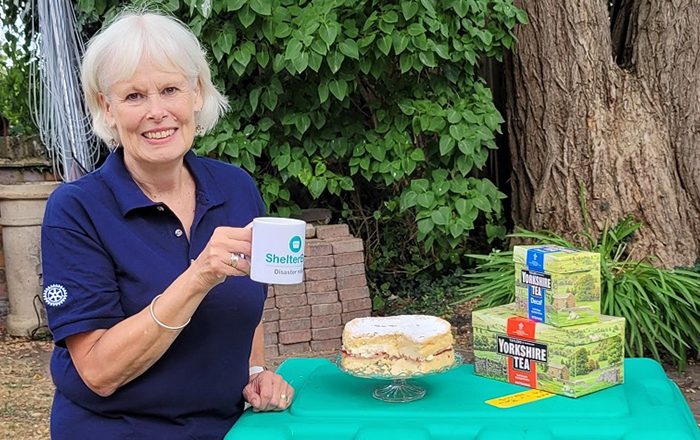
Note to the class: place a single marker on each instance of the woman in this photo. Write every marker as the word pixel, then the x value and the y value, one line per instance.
pixel 157 327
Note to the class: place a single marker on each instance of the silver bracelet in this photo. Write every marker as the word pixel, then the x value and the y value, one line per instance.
pixel 153 315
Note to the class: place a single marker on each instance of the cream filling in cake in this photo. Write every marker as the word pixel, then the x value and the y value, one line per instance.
pixel 397 345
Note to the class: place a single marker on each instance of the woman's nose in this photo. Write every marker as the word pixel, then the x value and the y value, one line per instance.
pixel 156 108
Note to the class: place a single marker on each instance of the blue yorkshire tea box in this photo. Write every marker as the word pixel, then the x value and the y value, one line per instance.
pixel 556 285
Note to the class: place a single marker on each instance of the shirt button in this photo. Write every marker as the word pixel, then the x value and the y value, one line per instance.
pixel 160 208
pixel 178 232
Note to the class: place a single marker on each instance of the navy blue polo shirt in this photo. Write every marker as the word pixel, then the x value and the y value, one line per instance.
pixel 107 250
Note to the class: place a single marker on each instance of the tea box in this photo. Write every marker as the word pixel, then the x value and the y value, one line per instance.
pixel 556 285
pixel 571 361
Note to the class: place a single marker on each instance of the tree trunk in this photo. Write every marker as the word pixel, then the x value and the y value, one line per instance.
pixel 625 137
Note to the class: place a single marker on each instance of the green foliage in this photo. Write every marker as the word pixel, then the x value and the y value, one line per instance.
pixel 661 306
pixel 372 108
pixel 422 294
pixel 15 58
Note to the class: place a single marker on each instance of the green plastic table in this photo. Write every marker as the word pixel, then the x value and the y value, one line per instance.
pixel 330 404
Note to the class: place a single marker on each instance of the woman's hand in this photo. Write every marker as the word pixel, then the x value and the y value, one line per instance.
pixel 215 262
pixel 268 391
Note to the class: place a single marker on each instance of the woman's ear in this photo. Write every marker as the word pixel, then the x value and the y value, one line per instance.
pixel 198 99
pixel 106 107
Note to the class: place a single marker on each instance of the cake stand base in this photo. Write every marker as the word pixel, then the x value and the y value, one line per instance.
pixel 399 391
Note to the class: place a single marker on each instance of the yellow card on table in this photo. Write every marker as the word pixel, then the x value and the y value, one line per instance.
pixel 519 398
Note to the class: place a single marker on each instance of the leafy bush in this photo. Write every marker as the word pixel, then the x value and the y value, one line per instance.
pixel 661 306
pixel 15 61
pixel 372 108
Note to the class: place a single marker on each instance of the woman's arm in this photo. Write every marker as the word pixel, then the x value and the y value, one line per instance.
pixel 108 359
pixel 257 350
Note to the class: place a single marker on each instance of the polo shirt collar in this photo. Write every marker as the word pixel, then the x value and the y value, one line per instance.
pixel 129 196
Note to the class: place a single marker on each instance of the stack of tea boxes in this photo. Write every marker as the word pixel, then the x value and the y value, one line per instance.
pixel 553 337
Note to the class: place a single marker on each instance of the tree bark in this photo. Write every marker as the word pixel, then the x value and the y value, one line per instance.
pixel 626 137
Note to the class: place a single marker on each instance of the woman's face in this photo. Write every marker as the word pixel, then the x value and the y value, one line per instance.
pixel 153 112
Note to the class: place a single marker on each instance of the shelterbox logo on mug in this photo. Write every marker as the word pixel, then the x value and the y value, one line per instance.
pixel 277 255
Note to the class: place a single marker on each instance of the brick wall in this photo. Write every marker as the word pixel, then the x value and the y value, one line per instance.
pixel 309 317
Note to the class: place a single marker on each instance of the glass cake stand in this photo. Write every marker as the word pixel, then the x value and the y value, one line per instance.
pixel 399 390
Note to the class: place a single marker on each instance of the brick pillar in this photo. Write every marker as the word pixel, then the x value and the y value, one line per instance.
pixel 309 317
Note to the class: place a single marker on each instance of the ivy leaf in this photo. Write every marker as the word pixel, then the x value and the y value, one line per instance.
pixel 406 62
pixel 456 229
pixel 255 148
pixel 302 123
pixel 225 42
pixel 409 9
pixel 415 29
pixel 246 16
pixel 426 199
pixel 457 131
pixel 390 17
pixel 420 185
pixel 486 37
pixel 269 99
pixel 265 124
pixel 384 44
pixel 400 42
pixel 338 88
pixel 447 144
pixel 417 155
pixel 427 58
pixel 453 116
pixel 461 8
pixel 293 50
pixel 335 61
pixel 438 218
pixel 263 57
pixel 262 7
pixel 482 203
pixel 323 91
pixel 429 6
pixel 328 34
pixel 377 151
pixel 316 186
pixel 282 30
pixel 315 61
pixel 349 49
pixel 301 62
pixel 320 168
pixel 462 206
pixel 319 46
pixel 253 98
pixel 283 161
pixel 234 5
pixel 425 226
pixel 408 200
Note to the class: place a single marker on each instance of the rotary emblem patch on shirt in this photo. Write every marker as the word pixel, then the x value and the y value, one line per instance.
pixel 55 295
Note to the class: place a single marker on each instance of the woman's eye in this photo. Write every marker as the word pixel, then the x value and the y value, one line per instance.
pixel 170 90
pixel 133 97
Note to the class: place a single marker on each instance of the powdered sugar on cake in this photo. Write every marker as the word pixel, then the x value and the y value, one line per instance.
pixel 416 327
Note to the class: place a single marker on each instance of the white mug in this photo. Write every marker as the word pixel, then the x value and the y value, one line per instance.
pixel 277 250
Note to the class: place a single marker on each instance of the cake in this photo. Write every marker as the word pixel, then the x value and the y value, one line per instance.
pixel 397 345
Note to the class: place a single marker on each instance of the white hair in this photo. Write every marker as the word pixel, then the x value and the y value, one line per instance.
pixel 115 52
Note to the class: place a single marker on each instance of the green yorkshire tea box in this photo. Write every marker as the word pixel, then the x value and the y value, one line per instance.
pixel 571 361
pixel 556 285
